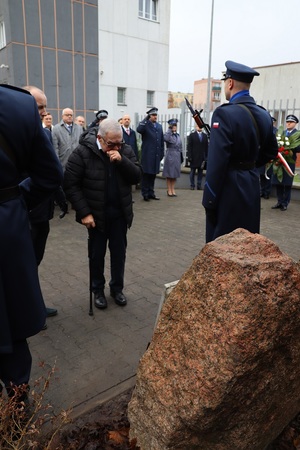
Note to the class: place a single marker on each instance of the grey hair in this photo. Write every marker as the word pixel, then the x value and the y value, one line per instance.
pixel 109 125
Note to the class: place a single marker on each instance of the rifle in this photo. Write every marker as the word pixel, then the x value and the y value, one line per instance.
pixel 198 119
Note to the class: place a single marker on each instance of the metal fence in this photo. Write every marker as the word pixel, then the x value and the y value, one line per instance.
pixel 186 124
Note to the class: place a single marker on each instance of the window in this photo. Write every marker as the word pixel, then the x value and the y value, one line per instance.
pixel 121 96
pixel 148 9
pixel 150 99
pixel 2 35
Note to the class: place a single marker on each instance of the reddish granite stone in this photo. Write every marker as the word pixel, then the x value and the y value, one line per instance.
pixel 222 370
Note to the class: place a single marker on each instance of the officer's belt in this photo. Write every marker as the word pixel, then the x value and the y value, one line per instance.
pixel 242 165
pixel 9 193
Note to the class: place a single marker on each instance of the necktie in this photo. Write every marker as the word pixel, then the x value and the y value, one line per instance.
pixel 128 131
pixel 69 127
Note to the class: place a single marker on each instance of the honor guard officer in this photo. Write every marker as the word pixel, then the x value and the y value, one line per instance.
pixel 241 139
pixel 152 152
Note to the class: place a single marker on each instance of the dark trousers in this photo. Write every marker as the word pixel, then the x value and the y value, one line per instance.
pixel 15 367
pixel 283 194
pixel 39 234
pixel 147 185
pixel 199 177
pixel 116 237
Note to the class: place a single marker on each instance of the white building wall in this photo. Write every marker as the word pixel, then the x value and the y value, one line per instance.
pixel 277 89
pixel 280 82
pixel 133 54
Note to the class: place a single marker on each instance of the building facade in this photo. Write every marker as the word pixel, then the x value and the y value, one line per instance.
pixel 88 54
pixel 200 94
pixel 177 99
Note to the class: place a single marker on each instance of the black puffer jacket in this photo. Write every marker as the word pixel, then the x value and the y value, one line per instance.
pixel 86 179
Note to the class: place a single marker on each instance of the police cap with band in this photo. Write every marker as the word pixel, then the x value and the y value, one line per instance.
pixel 239 72
pixel 172 122
pixel 102 114
pixel 291 118
pixel 152 112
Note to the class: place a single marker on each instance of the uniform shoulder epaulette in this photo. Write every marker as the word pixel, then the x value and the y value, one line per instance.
pixel 14 88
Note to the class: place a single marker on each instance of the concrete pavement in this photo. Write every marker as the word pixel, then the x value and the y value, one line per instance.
pixel 97 356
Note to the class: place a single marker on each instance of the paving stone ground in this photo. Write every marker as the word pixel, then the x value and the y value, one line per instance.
pixel 96 356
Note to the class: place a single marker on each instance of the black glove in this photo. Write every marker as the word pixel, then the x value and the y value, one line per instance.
pixel 211 215
pixel 64 209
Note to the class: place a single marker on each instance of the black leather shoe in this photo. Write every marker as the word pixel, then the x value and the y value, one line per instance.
pixel 100 300
pixel 153 197
pixel 119 297
pixel 45 326
pixel 283 208
pixel 146 199
pixel 277 206
pixel 51 312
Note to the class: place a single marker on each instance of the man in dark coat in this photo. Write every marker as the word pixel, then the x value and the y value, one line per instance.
pixel 152 152
pixel 22 310
pixel 197 148
pixel 98 181
pixel 284 187
pixel 241 139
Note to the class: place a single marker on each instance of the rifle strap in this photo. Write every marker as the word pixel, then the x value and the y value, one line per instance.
pixel 7 149
pixel 253 120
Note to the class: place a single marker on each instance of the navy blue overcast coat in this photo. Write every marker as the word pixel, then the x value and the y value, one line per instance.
pixel 22 309
pixel 232 196
pixel 152 146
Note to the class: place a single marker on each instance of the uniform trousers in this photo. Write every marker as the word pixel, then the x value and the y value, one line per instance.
pixel 147 185
pixel 283 194
pixel 15 367
pixel 115 235
pixel 39 234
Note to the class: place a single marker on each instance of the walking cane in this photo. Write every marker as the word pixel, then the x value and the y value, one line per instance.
pixel 91 313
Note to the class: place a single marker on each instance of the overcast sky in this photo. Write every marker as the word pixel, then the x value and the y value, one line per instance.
pixel 255 33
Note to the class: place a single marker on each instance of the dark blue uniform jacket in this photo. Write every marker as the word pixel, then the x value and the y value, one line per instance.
pixel 22 310
pixel 152 146
pixel 232 192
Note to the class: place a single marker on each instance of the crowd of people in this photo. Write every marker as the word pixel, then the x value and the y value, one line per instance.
pixel 94 166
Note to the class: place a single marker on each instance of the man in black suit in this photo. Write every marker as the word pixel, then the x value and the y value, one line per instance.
pixel 129 135
pixel 197 148
pixel 22 309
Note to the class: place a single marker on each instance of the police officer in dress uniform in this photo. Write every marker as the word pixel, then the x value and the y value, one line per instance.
pixel 152 152
pixel 284 187
pixel 22 309
pixel 241 139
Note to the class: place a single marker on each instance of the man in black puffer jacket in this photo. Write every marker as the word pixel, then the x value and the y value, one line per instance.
pixel 98 179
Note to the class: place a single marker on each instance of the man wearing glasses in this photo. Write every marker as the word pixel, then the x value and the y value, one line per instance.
pixel 98 179
pixel 65 136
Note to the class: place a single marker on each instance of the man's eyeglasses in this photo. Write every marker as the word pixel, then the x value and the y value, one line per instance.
pixel 112 145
